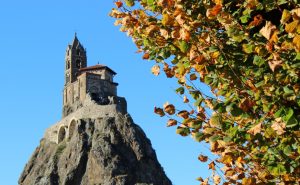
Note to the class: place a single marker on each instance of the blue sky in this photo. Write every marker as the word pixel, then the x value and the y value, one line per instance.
pixel 33 38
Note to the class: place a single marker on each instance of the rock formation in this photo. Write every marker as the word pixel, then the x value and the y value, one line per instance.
pixel 108 150
pixel 96 142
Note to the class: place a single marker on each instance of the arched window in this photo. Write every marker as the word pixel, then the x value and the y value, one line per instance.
pixel 78 64
pixel 67 78
pixel 61 134
pixel 78 52
pixel 72 127
pixel 68 64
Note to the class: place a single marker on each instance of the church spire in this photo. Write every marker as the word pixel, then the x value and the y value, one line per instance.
pixel 76 42
pixel 75 60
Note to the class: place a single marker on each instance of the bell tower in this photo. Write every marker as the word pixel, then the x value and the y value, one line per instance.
pixel 75 59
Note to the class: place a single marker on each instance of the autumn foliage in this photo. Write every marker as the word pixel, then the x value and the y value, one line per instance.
pixel 248 53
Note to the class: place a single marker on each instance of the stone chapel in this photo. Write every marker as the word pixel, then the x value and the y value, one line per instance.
pixel 81 81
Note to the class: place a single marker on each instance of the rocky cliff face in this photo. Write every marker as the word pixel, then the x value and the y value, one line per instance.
pixel 104 151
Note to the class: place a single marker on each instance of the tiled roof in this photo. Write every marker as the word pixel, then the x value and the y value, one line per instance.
pixel 96 67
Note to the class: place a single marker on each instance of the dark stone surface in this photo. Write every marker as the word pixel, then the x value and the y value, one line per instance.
pixel 107 151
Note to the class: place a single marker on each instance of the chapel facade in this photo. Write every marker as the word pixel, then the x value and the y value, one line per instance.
pixel 95 82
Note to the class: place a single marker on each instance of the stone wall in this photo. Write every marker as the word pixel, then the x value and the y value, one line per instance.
pixel 88 110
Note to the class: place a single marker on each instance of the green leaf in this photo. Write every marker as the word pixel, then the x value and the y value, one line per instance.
pixel 180 90
pixel 183 46
pixel 199 101
pixel 216 120
pixel 277 170
pixel 129 3
pixel 289 113
pixel 183 131
pixel 292 122
pixel 195 94
pixel 199 136
pixel 196 125
pixel 287 150
pixel 258 61
pixel 214 138
pixel 208 80
pixel 279 112
pixel 248 48
pixel 150 2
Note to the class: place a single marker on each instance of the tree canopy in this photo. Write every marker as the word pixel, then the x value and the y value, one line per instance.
pixel 248 53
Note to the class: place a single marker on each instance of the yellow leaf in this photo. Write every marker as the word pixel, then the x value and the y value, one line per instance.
pixel 227 159
pixel 267 30
pixel 296 12
pixel 291 27
pixel 279 126
pixel 215 54
pixel 167 19
pixel 217 179
pixel 274 37
pixel 219 2
pixel 296 42
pixel 248 181
pixel 286 15
pixel 256 129
pixel 155 70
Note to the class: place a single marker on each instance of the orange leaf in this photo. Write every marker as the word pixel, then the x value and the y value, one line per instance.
pixel 202 158
pixel 171 122
pixel 170 109
pixel 267 30
pixel 212 165
pixel 257 20
pixel 169 72
pixel 159 111
pixel 210 13
pixel 155 70
pixel 184 114
pixel 256 129
pixel 119 4
pixel 146 56
pixel 184 34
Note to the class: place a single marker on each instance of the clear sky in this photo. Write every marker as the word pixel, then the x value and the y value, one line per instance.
pixel 33 37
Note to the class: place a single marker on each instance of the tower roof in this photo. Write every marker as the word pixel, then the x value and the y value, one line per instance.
pixel 97 67
pixel 76 43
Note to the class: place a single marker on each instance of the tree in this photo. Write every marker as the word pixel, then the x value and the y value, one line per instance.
pixel 248 53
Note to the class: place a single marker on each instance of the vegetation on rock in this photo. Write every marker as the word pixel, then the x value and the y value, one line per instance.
pixel 248 53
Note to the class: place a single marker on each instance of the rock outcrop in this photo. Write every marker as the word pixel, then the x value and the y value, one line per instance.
pixel 109 150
